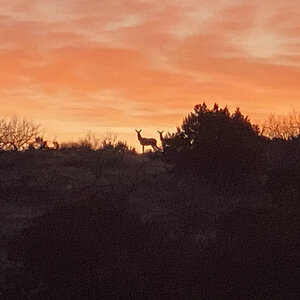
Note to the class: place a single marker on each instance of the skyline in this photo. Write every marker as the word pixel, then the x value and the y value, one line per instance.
pixel 112 67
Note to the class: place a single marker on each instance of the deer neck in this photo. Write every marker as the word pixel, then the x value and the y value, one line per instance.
pixel 139 136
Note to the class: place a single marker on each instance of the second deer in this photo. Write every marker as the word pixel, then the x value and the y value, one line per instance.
pixel 162 139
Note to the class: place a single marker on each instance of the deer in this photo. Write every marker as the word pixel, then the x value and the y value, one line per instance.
pixel 146 141
pixel 162 139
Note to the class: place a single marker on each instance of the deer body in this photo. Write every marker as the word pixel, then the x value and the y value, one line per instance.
pixel 146 141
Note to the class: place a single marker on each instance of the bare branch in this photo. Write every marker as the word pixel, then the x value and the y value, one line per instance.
pixel 17 134
pixel 282 127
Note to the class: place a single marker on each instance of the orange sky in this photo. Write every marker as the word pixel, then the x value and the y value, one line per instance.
pixel 113 66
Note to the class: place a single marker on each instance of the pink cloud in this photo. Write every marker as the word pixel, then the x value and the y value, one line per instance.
pixel 159 58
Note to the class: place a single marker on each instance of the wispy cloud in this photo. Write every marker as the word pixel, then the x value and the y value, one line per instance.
pixel 125 64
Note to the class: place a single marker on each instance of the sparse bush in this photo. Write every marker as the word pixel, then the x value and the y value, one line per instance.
pixel 282 127
pixel 17 134
pixel 91 142
pixel 111 143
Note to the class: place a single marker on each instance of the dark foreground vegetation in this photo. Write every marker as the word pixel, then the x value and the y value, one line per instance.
pixel 213 216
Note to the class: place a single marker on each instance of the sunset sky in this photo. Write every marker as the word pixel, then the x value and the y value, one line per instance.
pixel 113 66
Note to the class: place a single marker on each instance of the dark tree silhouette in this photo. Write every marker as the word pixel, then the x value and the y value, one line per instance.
pixel 224 148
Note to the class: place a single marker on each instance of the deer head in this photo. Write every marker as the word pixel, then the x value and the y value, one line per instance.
pixel 139 134
pixel 161 135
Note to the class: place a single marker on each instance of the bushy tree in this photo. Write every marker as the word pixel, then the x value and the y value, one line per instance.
pixel 221 147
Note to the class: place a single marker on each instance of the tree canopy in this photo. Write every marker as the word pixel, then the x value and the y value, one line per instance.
pixel 217 145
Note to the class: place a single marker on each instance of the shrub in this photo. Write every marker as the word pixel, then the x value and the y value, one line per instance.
pixel 223 148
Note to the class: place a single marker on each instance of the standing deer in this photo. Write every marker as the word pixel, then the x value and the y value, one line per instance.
pixel 146 142
pixel 162 139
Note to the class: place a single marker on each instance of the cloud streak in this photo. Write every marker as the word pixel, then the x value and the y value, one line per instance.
pixel 126 64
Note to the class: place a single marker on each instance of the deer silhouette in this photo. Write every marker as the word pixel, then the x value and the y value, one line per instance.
pixel 162 139
pixel 146 141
